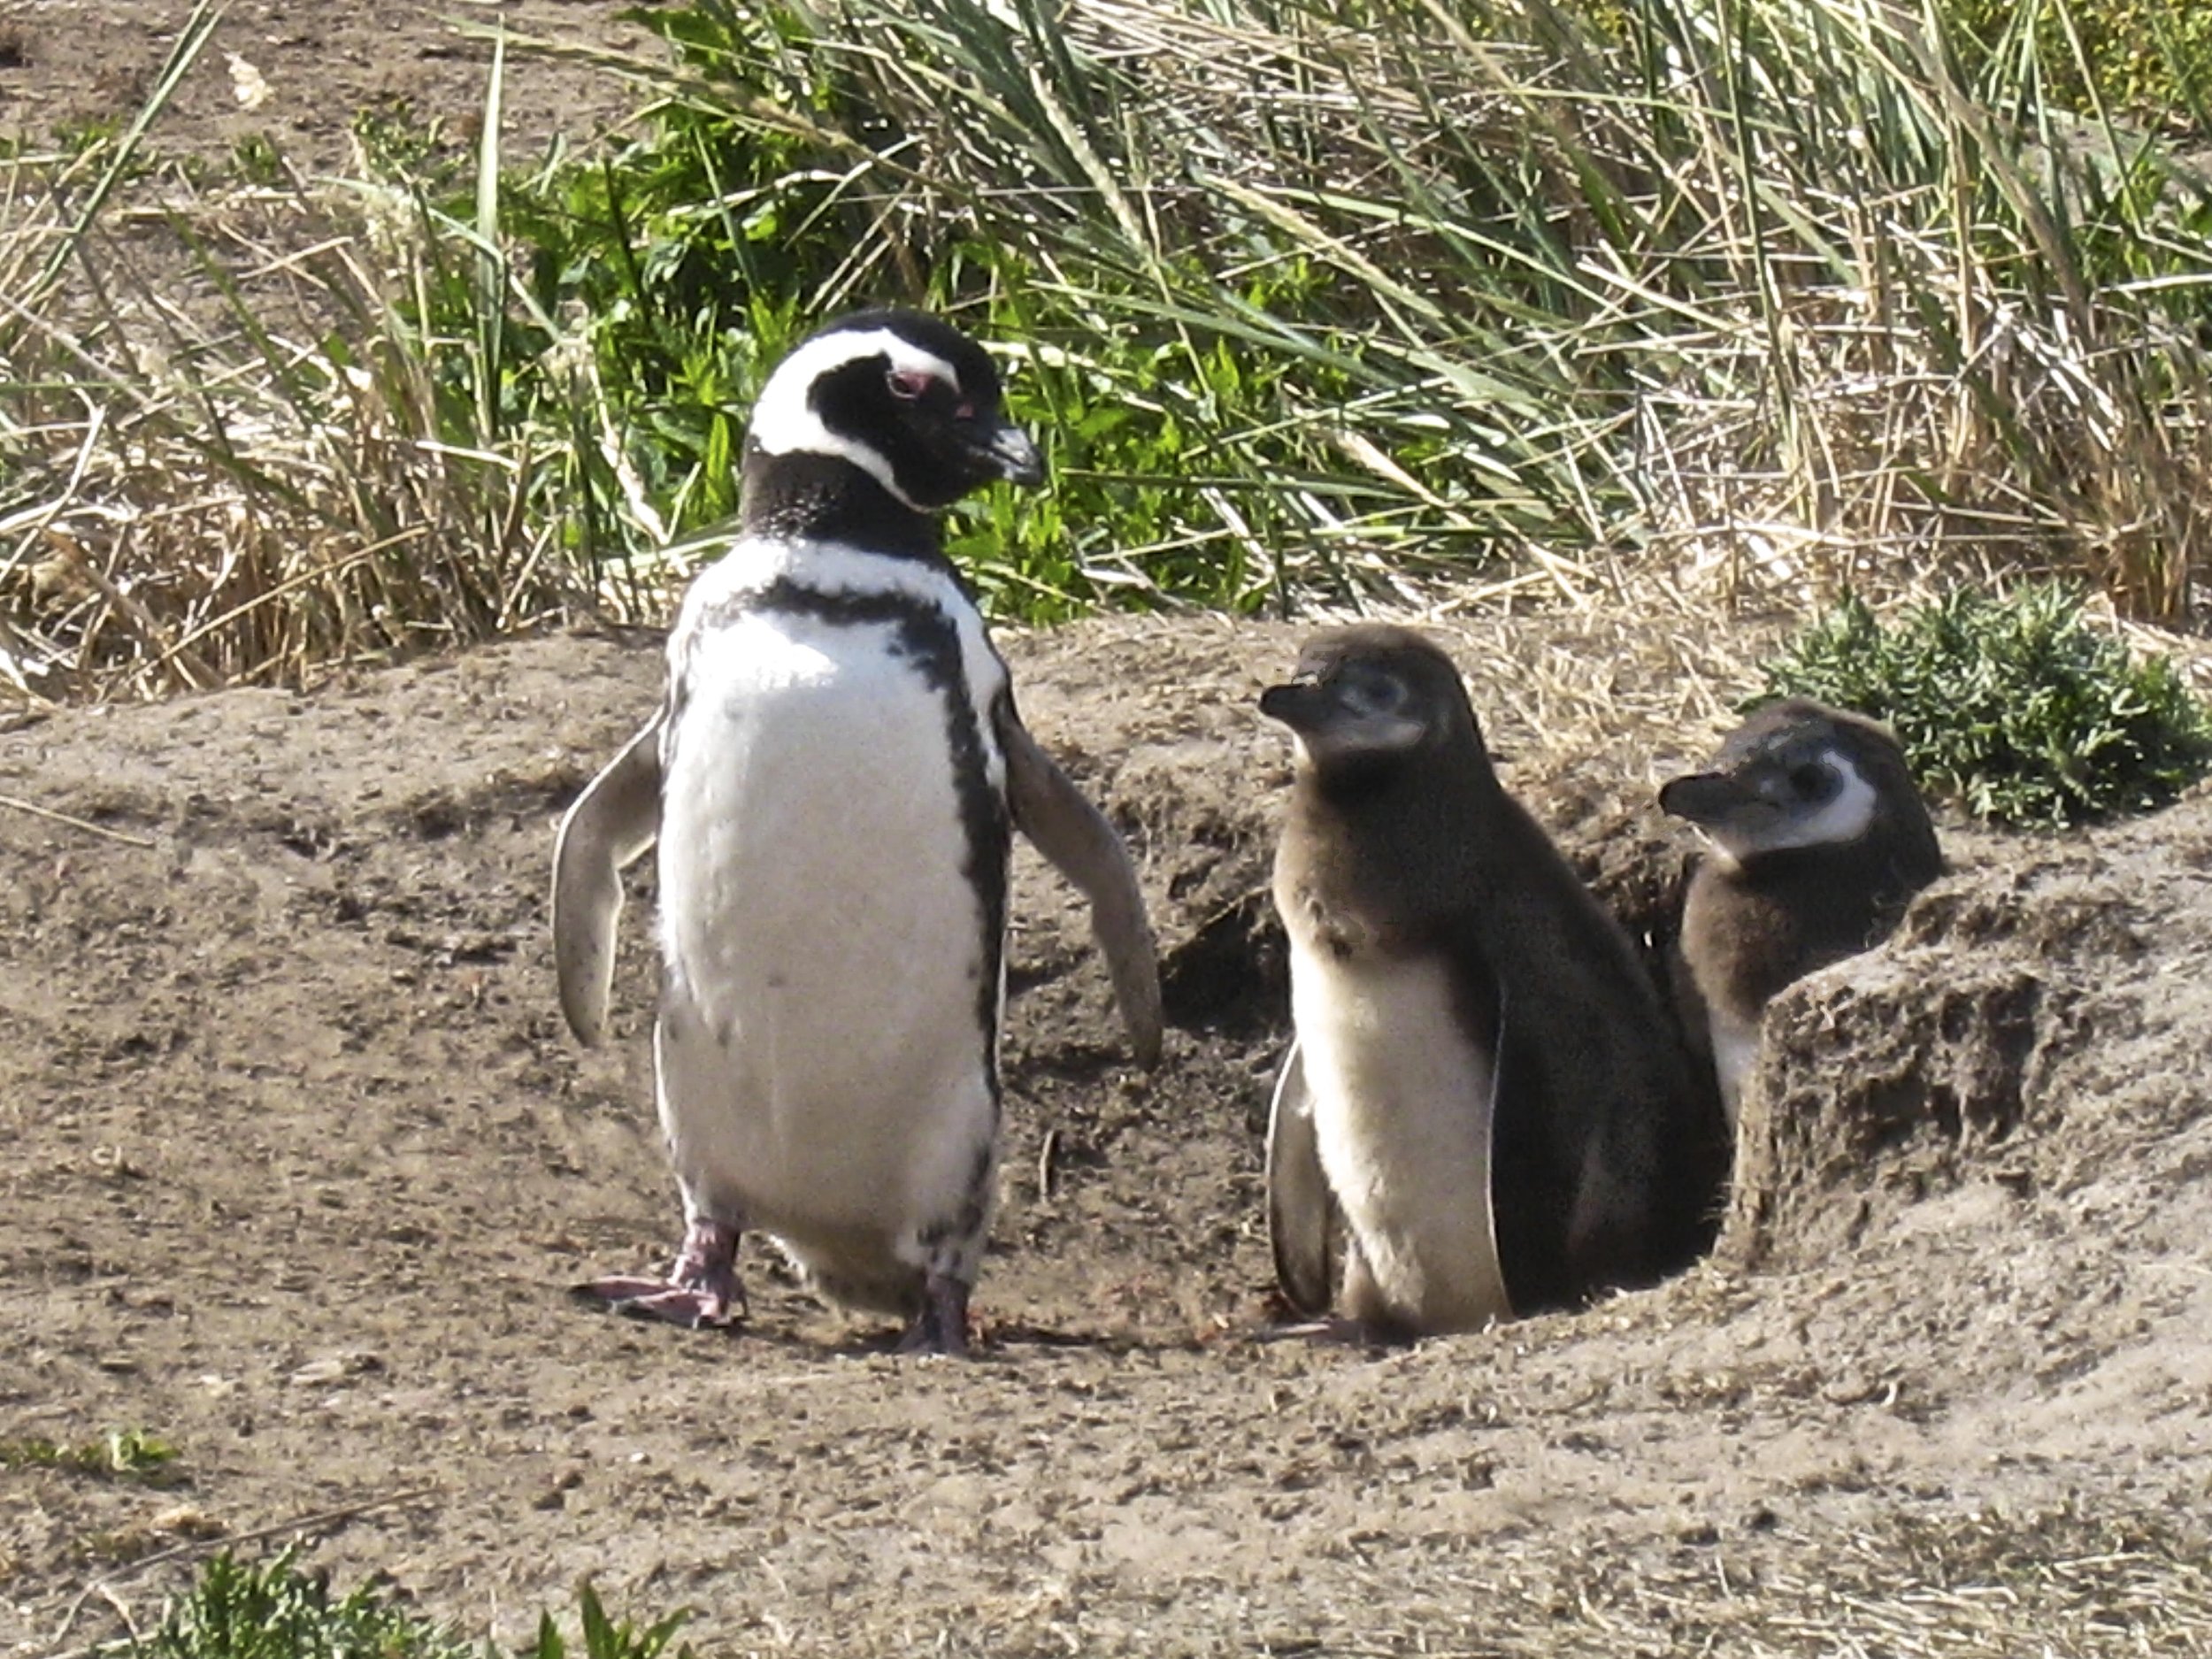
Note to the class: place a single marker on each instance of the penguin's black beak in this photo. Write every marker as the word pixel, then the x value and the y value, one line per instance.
pixel 1705 797
pixel 1300 705
pixel 1007 450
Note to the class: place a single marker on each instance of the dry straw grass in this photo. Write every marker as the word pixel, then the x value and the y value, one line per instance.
pixel 2060 1582
pixel 236 463
pixel 1829 409
pixel 2053 1584
pixel 1708 322
pixel 235 506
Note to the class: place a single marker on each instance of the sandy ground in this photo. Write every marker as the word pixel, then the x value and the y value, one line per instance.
pixel 298 72
pixel 298 1163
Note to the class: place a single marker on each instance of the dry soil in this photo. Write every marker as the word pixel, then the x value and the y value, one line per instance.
pixel 297 1164
pixel 300 1162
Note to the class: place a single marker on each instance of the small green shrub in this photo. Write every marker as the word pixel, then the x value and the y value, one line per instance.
pixel 238 1610
pixel 124 1454
pixel 274 1610
pixel 671 276
pixel 2013 707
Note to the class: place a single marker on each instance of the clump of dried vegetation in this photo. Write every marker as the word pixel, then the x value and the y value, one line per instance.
pixel 1993 1585
pixel 1677 305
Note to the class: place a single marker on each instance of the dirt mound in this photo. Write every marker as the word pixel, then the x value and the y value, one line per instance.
pixel 2004 1036
pixel 300 1163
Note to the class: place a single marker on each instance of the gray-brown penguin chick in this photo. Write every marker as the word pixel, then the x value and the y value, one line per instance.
pixel 1819 839
pixel 1486 1100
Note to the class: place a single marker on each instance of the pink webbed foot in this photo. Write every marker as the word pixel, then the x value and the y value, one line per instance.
pixel 701 1291
pixel 942 1326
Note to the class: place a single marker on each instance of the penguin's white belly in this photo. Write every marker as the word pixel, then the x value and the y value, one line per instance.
pixel 825 1068
pixel 1735 1057
pixel 1401 1107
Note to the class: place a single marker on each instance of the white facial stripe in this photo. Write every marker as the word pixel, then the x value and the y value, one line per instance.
pixel 1844 819
pixel 783 423
pixel 1368 734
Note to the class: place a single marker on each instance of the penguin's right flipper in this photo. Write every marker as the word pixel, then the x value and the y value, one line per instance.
pixel 1304 1225
pixel 1075 836
pixel 614 820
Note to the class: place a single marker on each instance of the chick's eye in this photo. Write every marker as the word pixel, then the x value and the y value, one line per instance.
pixel 1813 781
pixel 904 383
pixel 1370 693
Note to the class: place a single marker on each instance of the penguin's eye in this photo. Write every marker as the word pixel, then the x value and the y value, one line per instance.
pixel 1365 691
pixel 906 385
pixel 1814 782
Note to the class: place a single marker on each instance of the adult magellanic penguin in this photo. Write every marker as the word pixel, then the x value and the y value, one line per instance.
pixel 1487 1102
pixel 833 780
pixel 1819 838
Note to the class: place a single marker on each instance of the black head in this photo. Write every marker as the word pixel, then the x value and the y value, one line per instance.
pixel 1798 774
pixel 908 399
pixel 1367 697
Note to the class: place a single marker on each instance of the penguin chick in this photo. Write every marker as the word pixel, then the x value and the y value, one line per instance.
pixel 1819 838
pixel 1486 1099
pixel 833 780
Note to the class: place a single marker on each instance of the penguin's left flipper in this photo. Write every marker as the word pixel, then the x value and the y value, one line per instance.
pixel 1075 836
pixel 610 825
pixel 1305 1227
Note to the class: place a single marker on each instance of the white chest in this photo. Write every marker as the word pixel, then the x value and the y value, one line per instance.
pixel 1735 1057
pixel 1403 1105
pixel 827 861
pixel 828 773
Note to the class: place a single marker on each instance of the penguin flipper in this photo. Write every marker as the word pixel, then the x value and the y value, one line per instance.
pixel 1304 1224
pixel 1075 836
pixel 614 820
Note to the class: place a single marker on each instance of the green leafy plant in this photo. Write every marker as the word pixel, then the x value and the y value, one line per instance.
pixel 274 1610
pixel 125 1454
pixel 241 1610
pixel 604 1638
pixel 2014 707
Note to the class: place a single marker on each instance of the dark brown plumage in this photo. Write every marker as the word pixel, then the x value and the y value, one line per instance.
pixel 1820 839
pixel 1400 849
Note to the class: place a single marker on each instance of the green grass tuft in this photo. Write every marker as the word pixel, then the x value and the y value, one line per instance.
pixel 126 1453
pixel 604 1638
pixel 274 1610
pixel 2016 707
